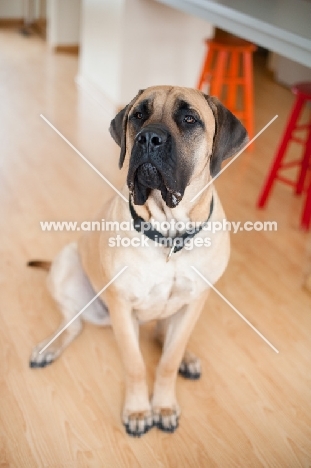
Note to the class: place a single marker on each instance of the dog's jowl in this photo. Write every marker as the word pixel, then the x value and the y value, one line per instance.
pixel 172 143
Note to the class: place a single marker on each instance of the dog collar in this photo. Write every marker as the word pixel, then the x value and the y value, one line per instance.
pixel 157 236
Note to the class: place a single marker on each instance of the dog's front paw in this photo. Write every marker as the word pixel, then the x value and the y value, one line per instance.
pixel 137 423
pixel 166 419
pixel 190 367
pixel 40 358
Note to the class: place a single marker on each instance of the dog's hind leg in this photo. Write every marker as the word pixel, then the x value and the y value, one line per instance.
pixel 72 291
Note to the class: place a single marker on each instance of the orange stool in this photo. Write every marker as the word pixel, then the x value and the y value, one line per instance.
pixel 228 65
pixel 303 182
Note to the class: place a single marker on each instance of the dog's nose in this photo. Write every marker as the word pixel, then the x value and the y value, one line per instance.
pixel 152 138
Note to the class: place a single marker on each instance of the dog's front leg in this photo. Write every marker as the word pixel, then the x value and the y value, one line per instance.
pixel 137 415
pixel 179 327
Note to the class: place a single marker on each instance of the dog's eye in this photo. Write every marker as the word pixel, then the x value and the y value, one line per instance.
pixel 138 115
pixel 189 119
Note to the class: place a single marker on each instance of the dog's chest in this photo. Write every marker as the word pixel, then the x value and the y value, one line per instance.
pixel 156 289
pixel 165 295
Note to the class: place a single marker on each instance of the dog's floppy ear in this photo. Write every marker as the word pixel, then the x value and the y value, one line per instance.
pixel 118 126
pixel 230 135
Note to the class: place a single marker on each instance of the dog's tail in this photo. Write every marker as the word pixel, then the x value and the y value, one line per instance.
pixel 45 265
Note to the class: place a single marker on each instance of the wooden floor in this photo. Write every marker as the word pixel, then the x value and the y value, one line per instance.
pixel 252 407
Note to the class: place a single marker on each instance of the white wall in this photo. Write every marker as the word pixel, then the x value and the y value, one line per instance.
pixel 11 9
pixel 63 22
pixel 161 46
pixel 101 45
pixel 29 10
pixel 286 71
pixel 127 45
pixel 40 8
pixel 18 9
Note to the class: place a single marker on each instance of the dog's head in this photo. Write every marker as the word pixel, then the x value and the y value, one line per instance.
pixel 169 135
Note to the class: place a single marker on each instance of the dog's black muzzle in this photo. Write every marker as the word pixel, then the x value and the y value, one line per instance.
pixel 153 165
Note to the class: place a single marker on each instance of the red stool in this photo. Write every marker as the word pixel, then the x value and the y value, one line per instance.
pixel 228 65
pixel 303 182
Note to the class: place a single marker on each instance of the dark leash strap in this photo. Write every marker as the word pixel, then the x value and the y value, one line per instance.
pixel 176 243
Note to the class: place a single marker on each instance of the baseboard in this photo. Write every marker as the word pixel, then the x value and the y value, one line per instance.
pixel 92 90
pixel 40 26
pixel 11 22
pixel 67 49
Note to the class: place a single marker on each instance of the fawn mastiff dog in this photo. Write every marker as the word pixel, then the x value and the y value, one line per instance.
pixel 173 141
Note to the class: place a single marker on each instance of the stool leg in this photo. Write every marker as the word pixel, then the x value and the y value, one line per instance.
pixel 206 69
pixel 306 214
pixel 280 152
pixel 232 86
pixel 249 93
pixel 304 165
pixel 217 80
